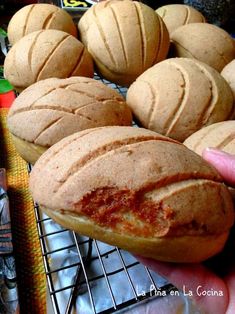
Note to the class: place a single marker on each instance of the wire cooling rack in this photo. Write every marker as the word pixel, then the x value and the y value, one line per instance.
pixel 88 276
pixel 92 255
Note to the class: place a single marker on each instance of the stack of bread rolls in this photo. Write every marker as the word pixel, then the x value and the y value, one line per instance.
pixel 135 188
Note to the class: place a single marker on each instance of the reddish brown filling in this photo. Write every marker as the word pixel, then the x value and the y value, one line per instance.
pixel 125 211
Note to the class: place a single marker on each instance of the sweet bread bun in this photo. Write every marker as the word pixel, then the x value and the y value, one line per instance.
pixel 178 96
pixel 228 73
pixel 205 42
pixel 219 135
pixel 35 17
pixel 124 38
pixel 52 109
pixel 136 189
pixel 43 54
pixel 176 15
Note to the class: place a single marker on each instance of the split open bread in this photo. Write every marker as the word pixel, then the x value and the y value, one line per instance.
pixel 136 189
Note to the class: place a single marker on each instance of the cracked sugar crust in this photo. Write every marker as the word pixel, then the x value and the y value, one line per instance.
pixel 219 135
pixel 36 17
pixel 42 54
pixel 122 55
pixel 120 178
pixel 176 15
pixel 205 42
pixel 173 105
pixel 54 108
pixel 88 147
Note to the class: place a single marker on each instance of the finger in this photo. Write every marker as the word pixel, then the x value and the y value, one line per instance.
pixel 223 162
pixel 207 290
pixel 230 280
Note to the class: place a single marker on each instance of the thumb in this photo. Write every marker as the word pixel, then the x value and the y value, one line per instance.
pixel 223 162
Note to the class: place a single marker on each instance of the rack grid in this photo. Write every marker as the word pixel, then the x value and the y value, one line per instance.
pixel 84 264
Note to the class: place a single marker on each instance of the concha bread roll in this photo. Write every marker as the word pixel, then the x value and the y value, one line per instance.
pixel 218 135
pixel 176 15
pixel 136 189
pixel 178 96
pixel 228 73
pixel 44 54
pixel 52 109
pixel 124 38
pixel 35 17
pixel 205 42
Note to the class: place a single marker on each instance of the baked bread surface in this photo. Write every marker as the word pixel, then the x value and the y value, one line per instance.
pixel 176 15
pixel 124 38
pixel 228 73
pixel 44 54
pixel 178 96
pixel 205 42
pixel 52 109
pixel 38 16
pixel 218 135
pixel 134 188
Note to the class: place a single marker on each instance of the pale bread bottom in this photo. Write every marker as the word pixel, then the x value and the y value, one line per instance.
pixel 28 151
pixel 182 249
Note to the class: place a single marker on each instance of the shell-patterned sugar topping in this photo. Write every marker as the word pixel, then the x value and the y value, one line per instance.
pixel 52 109
pixel 44 54
pixel 205 42
pixel 38 16
pixel 124 38
pixel 179 96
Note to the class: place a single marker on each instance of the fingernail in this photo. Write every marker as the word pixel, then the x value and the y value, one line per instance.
pixel 215 151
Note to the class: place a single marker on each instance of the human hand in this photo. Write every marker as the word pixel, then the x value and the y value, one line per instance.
pixel 211 285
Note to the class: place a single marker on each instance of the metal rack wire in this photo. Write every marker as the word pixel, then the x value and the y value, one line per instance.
pixel 83 278
pixel 124 282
